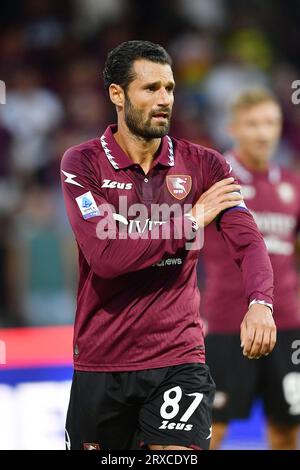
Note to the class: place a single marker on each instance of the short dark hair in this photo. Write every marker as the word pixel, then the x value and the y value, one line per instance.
pixel 118 66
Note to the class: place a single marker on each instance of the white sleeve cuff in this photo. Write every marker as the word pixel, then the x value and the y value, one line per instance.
pixel 195 225
pixel 262 302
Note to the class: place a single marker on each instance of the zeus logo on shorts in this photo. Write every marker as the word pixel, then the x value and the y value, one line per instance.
pixel 116 185
pixel 170 409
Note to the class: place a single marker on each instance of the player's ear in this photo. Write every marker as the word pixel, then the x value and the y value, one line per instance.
pixel 116 94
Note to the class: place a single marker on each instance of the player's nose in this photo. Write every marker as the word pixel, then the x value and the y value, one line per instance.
pixel 164 97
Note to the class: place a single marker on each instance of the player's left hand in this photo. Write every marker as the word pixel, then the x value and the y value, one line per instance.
pixel 258 332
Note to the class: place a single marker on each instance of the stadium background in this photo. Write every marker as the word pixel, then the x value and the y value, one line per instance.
pixel 51 58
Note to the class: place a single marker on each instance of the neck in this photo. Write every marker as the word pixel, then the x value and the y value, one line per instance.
pixel 251 162
pixel 138 149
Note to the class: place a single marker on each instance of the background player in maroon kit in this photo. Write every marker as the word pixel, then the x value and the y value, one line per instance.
pixel 140 374
pixel 273 196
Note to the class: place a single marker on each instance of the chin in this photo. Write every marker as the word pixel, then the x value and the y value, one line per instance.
pixel 262 157
pixel 157 132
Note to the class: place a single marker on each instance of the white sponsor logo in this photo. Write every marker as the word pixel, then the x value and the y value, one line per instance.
pixel 137 226
pixel 87 205
pixel 274 222
pixel 70 179
pixel 178 426
pixel 116 185
pixel 159 221
pixel 168 262
pixel 275 246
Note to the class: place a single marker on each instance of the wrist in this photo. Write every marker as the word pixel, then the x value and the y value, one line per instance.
pixel 196 213
pixel 261 302
pixel 195 225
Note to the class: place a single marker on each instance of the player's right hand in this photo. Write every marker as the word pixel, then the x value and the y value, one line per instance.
pixel 222 195
pixel 258 332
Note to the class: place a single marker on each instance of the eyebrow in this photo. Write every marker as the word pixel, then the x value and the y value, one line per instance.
pixel 172 84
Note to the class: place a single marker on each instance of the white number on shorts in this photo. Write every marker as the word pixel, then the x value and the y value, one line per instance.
pixel 171 402
pixel 291 390
pixel 174 404
pixel 195 403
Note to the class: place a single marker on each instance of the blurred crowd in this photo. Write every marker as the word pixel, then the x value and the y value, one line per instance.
pixel 51 59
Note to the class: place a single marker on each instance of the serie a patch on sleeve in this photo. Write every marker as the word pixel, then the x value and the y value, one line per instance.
pixel 87 205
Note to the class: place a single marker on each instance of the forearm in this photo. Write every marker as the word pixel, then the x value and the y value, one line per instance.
pixel 248 249
pixel 117 255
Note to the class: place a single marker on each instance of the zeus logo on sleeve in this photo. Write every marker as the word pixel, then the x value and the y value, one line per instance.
pixel 87 205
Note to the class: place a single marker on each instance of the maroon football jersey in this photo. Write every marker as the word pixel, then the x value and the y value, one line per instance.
pixel 273 197
pixel 138 300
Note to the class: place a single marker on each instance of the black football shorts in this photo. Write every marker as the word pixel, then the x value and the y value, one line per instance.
pixel 239 380
pixel 130 410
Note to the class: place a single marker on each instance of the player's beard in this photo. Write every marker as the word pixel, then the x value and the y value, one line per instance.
pixel 137 124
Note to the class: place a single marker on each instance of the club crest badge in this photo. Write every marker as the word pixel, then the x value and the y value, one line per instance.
pixel 179 185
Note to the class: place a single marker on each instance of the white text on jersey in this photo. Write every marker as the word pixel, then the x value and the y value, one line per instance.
pixel 116 185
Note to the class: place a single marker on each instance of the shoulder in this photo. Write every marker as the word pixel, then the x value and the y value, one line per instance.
pixel 207 162
pixel 81 155
pixel 197 151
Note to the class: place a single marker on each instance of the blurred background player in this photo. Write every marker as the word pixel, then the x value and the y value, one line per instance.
pixel 272 194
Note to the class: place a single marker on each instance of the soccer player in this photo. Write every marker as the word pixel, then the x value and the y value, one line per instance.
pixel 140 376
pixel 273 196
